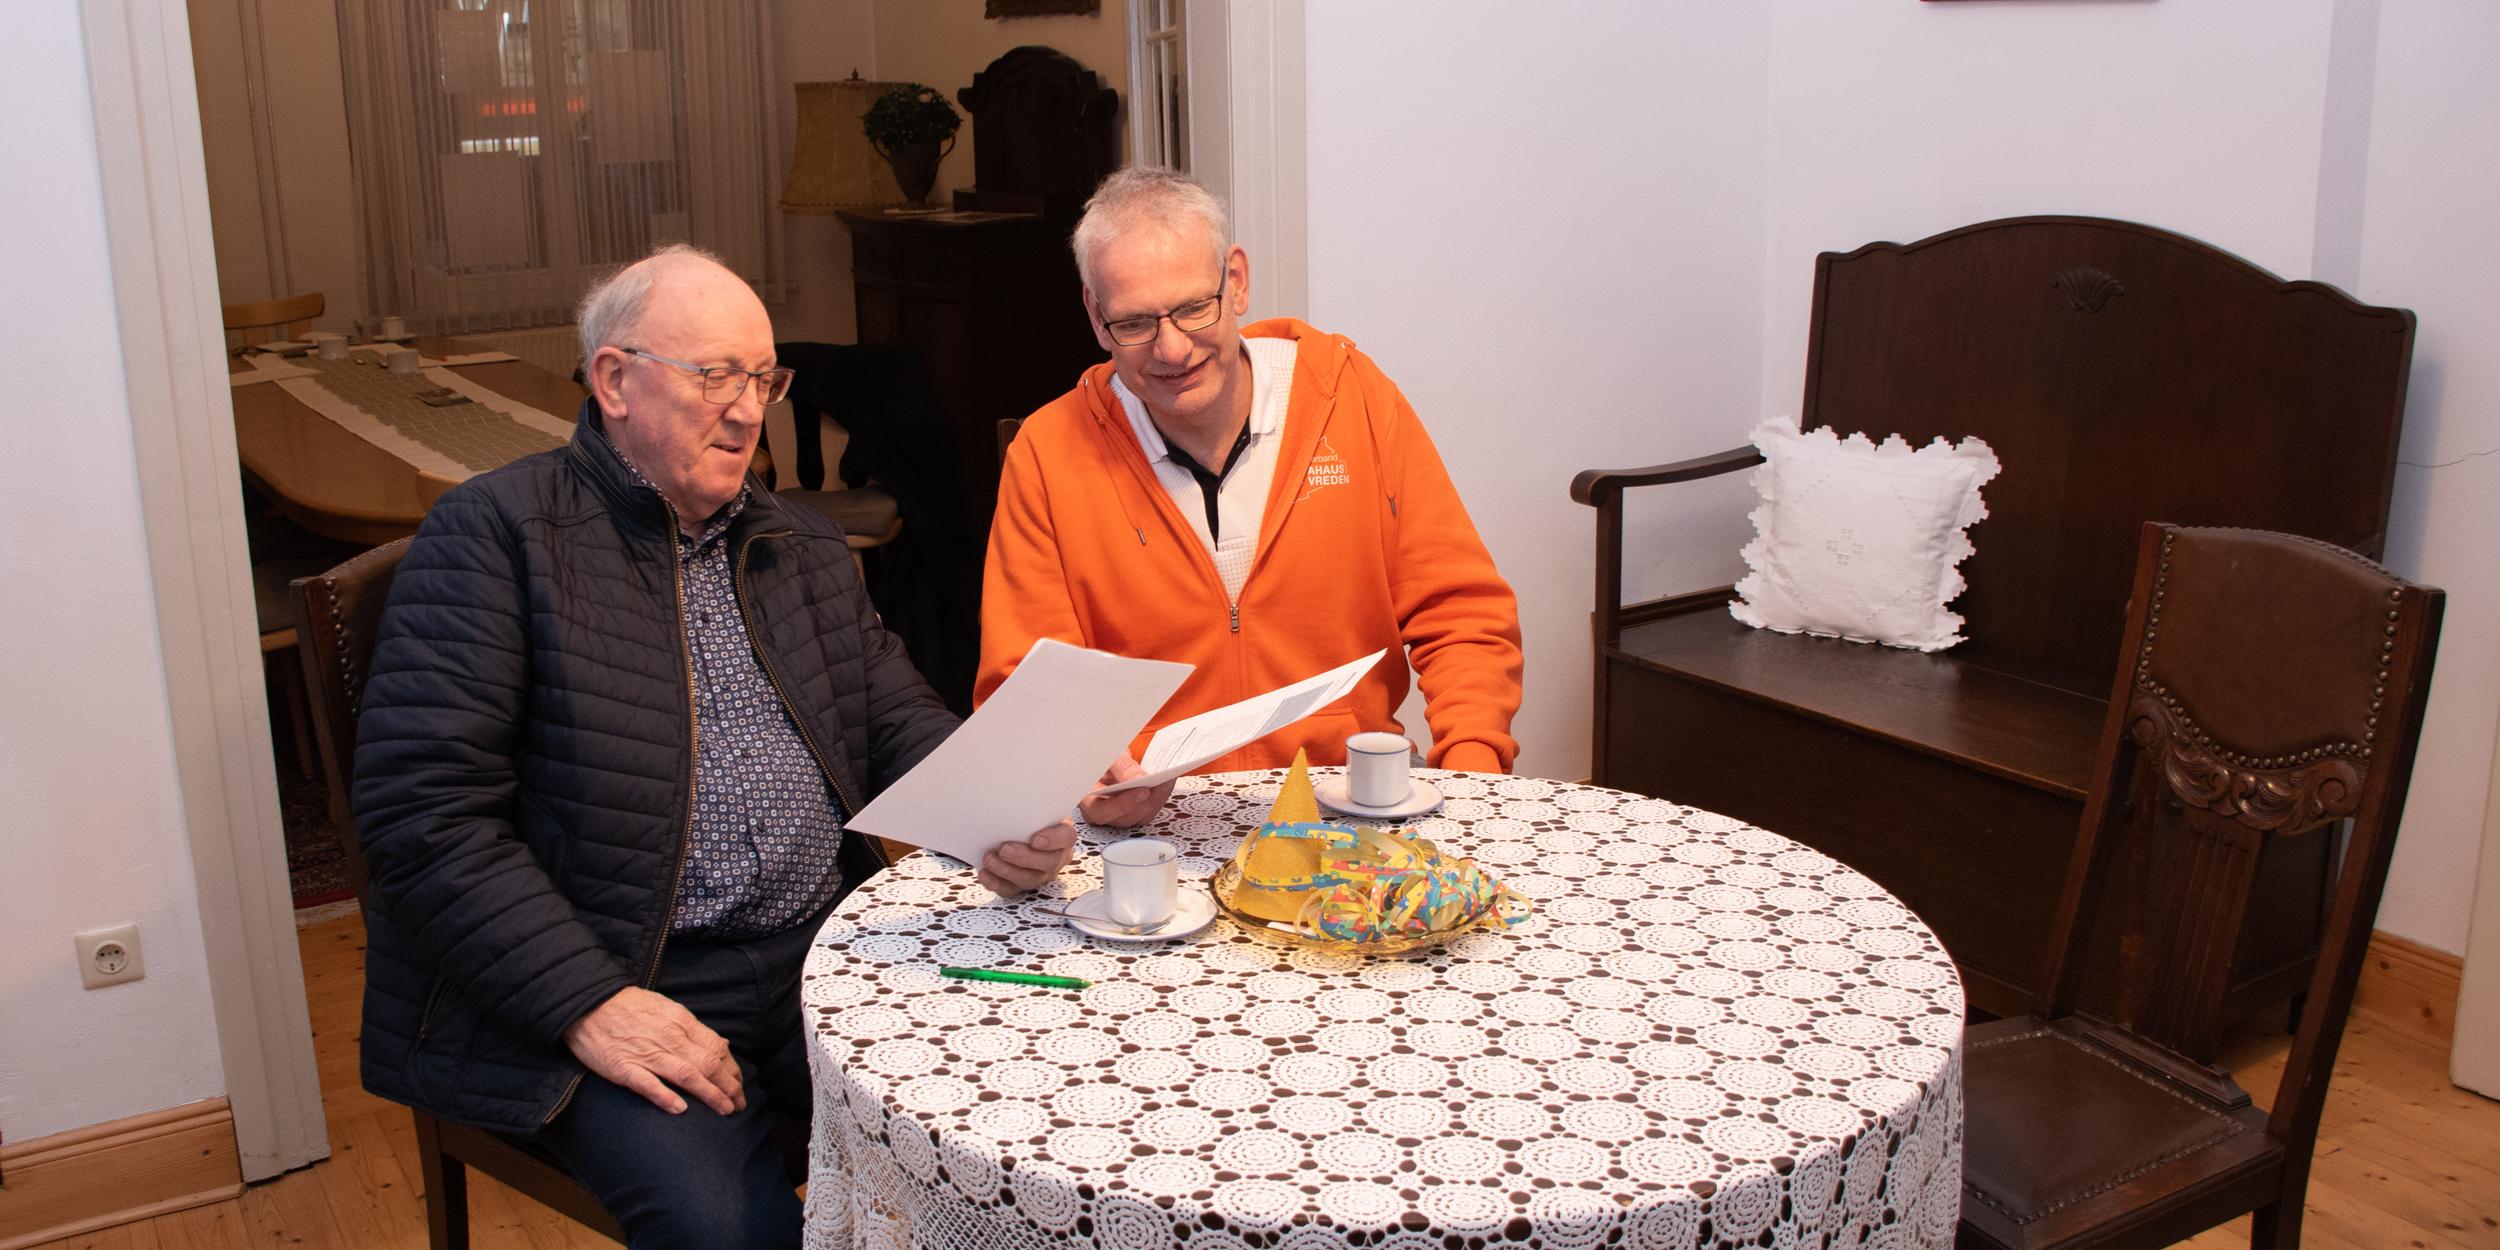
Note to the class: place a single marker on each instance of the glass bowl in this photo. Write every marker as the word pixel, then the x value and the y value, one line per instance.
pixel 1228 877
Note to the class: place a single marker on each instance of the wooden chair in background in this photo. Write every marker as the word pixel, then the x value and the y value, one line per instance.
pixel 2270 689
pixel 339 613
pixel 268 320
pixel 272 603
pixel 264 321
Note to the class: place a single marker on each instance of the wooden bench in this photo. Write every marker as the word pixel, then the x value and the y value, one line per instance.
pixel 2122 374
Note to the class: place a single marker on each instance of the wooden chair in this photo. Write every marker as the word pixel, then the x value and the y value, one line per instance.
pixel 274 605
pixel 2122 374
pixel 268 320
pixel 2271 689
pixel 339 612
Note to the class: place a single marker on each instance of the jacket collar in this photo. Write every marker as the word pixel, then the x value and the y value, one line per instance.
pixel 638 506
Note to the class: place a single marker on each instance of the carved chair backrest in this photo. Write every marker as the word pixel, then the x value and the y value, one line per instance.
pixel 2122 374
pixel 1045 131
pixel 338 616
pixel 2274 688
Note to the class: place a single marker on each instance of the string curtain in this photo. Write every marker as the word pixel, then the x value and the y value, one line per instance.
pixel 508 153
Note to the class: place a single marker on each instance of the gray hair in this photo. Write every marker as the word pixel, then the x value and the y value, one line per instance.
pixel 612 308
pixel 1147 197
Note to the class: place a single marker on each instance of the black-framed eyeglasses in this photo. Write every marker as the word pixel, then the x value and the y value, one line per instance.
pixel 1193 316
pixel 722 384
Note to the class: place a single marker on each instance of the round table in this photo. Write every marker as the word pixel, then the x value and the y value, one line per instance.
pixel 1706 1033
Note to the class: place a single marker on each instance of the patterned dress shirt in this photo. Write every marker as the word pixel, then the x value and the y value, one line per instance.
pixel 760 857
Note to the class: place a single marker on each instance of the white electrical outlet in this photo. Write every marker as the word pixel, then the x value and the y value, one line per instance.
pixel 109 956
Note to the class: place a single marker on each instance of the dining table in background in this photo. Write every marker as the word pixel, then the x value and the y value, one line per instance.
pixel 337 483
pixel 1706 1035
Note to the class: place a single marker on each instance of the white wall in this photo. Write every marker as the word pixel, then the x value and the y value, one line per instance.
pixel 1897 121
pixel 1589 239
pixel 1549 232
pixel 2432 193
pixel 93 835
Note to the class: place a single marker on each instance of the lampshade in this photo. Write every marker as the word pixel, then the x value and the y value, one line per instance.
pixel 831 165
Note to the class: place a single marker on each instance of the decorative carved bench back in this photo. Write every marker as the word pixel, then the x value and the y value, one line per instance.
pixel 2090 354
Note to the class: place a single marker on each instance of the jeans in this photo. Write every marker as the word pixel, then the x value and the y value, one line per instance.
pixel 701 1179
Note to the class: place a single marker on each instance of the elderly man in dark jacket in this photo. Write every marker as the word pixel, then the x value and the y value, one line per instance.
pixel 620 705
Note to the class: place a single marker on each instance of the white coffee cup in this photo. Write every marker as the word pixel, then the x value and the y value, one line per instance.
pixel 328 346
pixel 393 327
pixel 1375 769
pixel 1141 881
pixel 402 360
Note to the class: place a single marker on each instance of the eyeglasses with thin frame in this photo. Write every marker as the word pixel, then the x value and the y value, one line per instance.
pixel 1193 316
pixel 722 384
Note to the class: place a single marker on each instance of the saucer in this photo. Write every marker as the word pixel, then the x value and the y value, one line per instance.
pixel 1196 910
pixel 1421 798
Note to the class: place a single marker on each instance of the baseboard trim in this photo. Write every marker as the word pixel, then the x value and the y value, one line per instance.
pixel 112 1173
pixel 2410 988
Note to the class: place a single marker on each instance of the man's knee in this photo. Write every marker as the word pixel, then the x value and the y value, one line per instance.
pixel 677 1209
pixel 694 1180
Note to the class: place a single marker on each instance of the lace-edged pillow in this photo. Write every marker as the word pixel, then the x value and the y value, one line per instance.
pixel 1859 541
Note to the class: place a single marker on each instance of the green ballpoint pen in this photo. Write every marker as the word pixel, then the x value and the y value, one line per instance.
pixel 1018 978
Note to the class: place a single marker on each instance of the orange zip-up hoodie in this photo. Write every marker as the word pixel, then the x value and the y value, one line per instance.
pixel 1364 545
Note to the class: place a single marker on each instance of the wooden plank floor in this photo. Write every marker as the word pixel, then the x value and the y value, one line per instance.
pixel 2404 1159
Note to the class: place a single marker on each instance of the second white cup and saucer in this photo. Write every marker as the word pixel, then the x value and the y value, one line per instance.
pixel 1192 911
pixel 1141 899
pixel 1376 782
pixel 1421 797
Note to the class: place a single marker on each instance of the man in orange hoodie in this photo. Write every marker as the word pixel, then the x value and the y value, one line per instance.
pixel 1260 502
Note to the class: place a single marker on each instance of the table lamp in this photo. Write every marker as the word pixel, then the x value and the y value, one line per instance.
pixel 831 164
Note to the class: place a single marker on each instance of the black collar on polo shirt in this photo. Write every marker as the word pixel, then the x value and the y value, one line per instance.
pixel 1210 484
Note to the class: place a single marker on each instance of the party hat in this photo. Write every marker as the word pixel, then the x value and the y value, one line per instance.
pixel 1284 860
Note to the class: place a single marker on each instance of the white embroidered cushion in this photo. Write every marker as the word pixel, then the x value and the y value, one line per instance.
pixel 1858 541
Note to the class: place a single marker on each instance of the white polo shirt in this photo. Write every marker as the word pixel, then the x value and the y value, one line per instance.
pixel 1241 503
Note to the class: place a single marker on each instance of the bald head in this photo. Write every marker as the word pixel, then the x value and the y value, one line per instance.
pixel 649 336
pixel 612 311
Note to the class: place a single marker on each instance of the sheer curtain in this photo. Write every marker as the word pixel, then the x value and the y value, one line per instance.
pixel 508 152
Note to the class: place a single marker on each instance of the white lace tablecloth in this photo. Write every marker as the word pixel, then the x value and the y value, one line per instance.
pixel 1706 1034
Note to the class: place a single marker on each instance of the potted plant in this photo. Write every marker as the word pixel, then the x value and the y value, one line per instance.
pixel 913 128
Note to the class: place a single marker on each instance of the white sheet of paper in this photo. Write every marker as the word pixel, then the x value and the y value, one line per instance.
pixel 1186 744
pixel 1041 740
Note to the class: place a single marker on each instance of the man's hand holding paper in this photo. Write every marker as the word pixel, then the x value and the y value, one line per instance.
pixel 1040 739
pixel 1126 806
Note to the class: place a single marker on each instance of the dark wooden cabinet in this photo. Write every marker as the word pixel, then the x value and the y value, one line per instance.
pixel 991 300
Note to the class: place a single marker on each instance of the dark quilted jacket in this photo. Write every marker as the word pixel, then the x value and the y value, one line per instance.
pixel 525 761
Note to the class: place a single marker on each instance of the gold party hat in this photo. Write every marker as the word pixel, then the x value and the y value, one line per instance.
pixel 1282 861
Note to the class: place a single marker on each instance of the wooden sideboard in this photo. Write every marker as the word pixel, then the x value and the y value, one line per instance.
pixel 991 300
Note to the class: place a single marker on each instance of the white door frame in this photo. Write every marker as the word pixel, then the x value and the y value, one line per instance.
pixel 1247 137
pixel 2474 1050
pixel 182 417
pixel 1264 143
